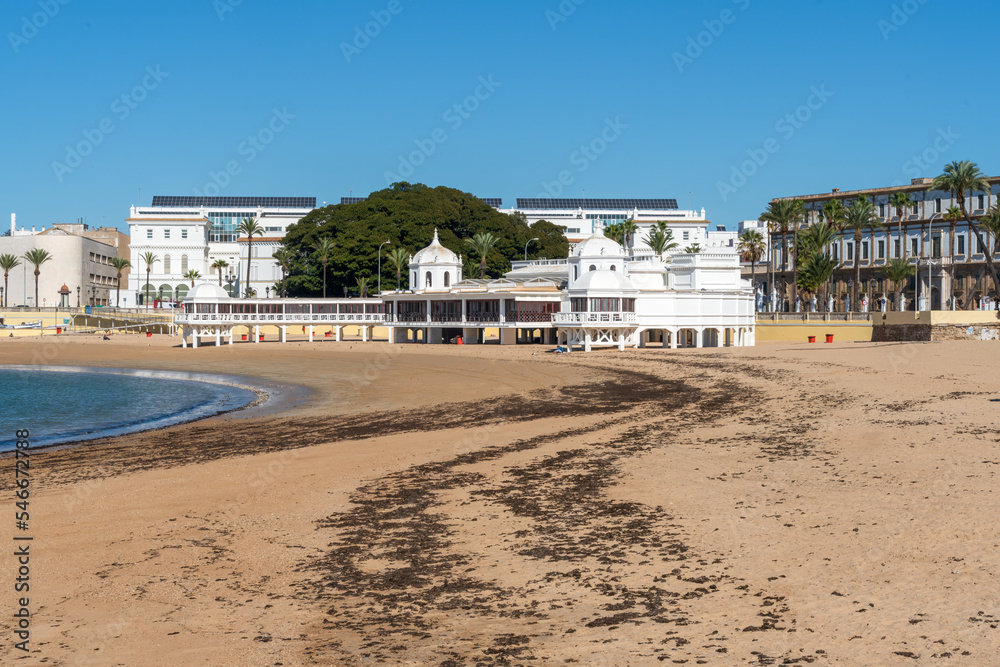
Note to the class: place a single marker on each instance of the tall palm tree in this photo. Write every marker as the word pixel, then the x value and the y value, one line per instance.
pixel 284 257
pixel 249 228
pixel 8 262
pixel 36 257
pixel 324 247
pixel 961 178
pixel 901 202
pixel 399 257
pixel 363 283
pixel 860 218
pixel 149 259
pixel 615 232
pixel 629 229
pixel 751 249
pixel 783 215
pixel 898 271
pixel 120 264
pixel 218 265
pixel 817 239
pixel 192 275
pixel 816 270
pixel 481 244
pixel 661 239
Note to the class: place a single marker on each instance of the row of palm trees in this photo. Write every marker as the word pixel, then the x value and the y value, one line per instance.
pixel 660 237
pixel 960 178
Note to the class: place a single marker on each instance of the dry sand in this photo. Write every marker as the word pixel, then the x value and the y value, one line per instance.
pixel 785 504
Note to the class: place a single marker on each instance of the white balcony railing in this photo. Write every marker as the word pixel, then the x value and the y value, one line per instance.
pixel 593 318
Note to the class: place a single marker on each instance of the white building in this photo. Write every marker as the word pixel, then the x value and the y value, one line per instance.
pixel 582 217
pixel 168 227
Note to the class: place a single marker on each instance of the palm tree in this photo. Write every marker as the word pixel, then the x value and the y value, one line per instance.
pixel 959 178
pixel 398 257
pixel 628 230
pixel 693 249
pixel 284 257
pixel 615 232
pixel 481 244
pixel 324 247
pixel 816 270
pixel 901 202
pixel 192 275
pixel 218 265
pixel 751 249
pixel 363 286
pixel 860 217
pixel 898 271
pixel 120 264
pixel 661 239
pixel 37 257
pixel 150 259
pixel 782 215
pixel 249 228
pixel 8 262
pixel 818 239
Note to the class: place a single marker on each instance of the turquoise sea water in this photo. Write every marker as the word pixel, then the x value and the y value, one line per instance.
pixel 68 405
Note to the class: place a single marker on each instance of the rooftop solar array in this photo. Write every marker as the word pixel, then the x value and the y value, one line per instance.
pixel 495 202
pixel 599 204
pixel 352 200
pixel 237 202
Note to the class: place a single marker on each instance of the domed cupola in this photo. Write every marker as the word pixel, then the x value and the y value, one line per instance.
pixel 435 268
pixel 205 292
pixel 597 253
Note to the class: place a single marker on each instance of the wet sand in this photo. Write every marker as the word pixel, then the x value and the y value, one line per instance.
pixel 785 504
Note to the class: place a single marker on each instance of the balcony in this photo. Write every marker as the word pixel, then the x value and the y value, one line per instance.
pixel 594 318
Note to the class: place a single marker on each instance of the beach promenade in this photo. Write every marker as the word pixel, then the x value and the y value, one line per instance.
pixel 461 505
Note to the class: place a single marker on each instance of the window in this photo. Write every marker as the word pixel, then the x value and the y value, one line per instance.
pixel 614 268
pixel 687 236
pixel 836 250
pixel 881 249
pixel 915 246
pixel 447 279
pixel 979 245
pixel 864 250
pixel 961 245
pixel 184 233
pixel 937 205
pixel 576 272
pixel 149 233
pixel 895 248
pixel 428 281
pixel 578 305
pixel 166 263
pixel 184 264
pixel 592 268
pixel 982 202
pixel 914 208
pixel 166 233
pixel 850 252
pixel 881 210
pixel 604 305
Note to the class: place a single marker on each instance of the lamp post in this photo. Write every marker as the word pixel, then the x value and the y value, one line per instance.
pixel 230 279
pixel 2 303
pixel 267 290
pixel 526 248
pixel 925 301
pixel 380 265
pixel 77 296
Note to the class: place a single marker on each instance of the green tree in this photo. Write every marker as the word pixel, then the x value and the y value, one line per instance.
pixel 628 231
pixel 817 239
pixel 8 262
pixel 323 248
pixel 120 264
pixel 615 232
pixel 192 275
pixel 398 258
pixel 784 215
pixel 249 228
pixel 901 202
pixel 963 178
pixel 816 270
pixel 481 244
pixel 898 270
pixel 284 257
pixel 752 247
pixel 36 257
pixel 661 239
pixel 149 259
pixel 860 217
pixel 218 265
pixel 363 283
pixel 693 249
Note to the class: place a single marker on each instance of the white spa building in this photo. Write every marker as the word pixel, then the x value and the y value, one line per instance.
pixel 600 296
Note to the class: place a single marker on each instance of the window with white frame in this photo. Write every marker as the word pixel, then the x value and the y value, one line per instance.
pixel 960 240
pixel 166 233
pixel 184 233
pixel 149 233
pixel 850 251
pixel 881 249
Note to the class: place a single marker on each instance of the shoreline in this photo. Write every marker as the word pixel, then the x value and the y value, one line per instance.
pixel 269 398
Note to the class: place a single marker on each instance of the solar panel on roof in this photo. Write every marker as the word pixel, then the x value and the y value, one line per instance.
pixel 598 204
pixel 495 202
pixel 236 202
pixel 352 200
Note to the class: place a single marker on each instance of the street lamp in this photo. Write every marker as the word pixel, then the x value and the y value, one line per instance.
pixel 267 290
pixel 380 265
pixel 526 248
pixel 77 296
pixel 230 279
pixel 925 301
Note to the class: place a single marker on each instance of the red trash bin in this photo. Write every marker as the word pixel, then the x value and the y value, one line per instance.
pixel 829 338
pixel 812 339
pixel 459 341
pixel 243 336
pixel 58 330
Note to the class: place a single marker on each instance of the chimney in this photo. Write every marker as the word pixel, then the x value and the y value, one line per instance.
pixel 836 191
pixel 13 223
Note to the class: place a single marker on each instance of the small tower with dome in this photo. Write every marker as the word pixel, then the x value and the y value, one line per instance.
pixel 435 268
pixel 597 253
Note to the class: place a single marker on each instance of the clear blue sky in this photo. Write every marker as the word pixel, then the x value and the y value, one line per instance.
pixel 663 119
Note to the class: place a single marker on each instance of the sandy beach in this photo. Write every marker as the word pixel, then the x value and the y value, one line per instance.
pixel 487 505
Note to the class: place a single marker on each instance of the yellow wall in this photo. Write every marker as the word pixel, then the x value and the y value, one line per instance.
pixel 772 332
